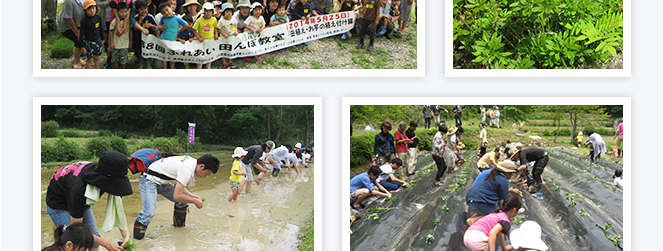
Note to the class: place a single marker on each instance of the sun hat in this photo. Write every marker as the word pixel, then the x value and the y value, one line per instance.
pixel 452 131
pixel 239 152
pixel 507 166
pixel 298 145
pixel 255 5
pixel 528 236
pixel 208 6
pixel 244 3
pixel 217 3
pixel 89 3
pixel 270 144
pixel 579 133
pixel 226 6
pixel 513 151
pixel 190 2
pixel 109 174
pixel 519 145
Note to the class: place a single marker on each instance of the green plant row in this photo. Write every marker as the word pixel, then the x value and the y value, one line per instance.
pixel 542 34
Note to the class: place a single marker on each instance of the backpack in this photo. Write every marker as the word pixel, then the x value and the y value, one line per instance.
pixel 142 159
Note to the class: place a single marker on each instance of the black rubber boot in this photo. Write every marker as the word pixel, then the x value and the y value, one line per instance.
pixel 370 45
pixel 139 230
pixel 361 43
pixel 179 216
pixel 275 173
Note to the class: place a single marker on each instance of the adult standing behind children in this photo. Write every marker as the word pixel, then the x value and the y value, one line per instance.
pixel 181 169
pixel 364 185
pixel 383 144
pixel 243 12
pixel 68 22
pixel 368 22
pixel 406 8
pixel 193 9
pixel 251 161
pixel 412 148
pixel 401 147
pixel 74 188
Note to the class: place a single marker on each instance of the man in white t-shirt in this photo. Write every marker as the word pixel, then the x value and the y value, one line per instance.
pixel 157 180
pixel 387 179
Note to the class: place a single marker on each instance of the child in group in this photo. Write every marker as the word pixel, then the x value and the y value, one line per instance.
pixel 205 28
pixel 483 234
pixel 119 42
pixel 388 16
pixel 112 4
pixel 368 17
pixel 72 238
pixel 254 23
pixel 347 5
pixel 159 16
pixel 91 34
pixel 280 17
pixel 618 183
pixel 236 173
pixel 186 34
pixel 579 139
pixel 145 24
pixel 218 9
pixel 228 27
pixel 168 26
pixel 302 10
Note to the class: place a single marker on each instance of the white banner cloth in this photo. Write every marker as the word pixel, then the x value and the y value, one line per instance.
pixel 246 44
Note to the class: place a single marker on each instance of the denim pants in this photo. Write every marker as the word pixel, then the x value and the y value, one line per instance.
pixel 390 185
pixel 148 194
pixel 63 217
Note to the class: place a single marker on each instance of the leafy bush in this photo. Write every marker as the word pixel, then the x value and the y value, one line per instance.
pixel 524 34
pixel 62 48
pixel 96 146
pixel 105 133
pixel 165 145
pixel 49 129
pixel 71 133
pixel 604 131
pixel 361 149
pixel 61 150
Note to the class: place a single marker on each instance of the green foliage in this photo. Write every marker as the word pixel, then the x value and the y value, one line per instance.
pixel 49 129
pixel 361 149
pixel 62 48
pixel 165 145
pixel 130 245
pixel 71 133
pixel 524 34
pixel 105 133
pixel 61 150
pixel 96 146
pixel 307 239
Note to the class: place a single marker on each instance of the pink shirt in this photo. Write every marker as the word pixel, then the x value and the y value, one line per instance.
pixel 620 129
pixel 400 147
pixel 489 221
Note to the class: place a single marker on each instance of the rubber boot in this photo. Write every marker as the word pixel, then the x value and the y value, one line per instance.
pixel 179 216
pixel 361 43
pixel 370 45
pixel 50 24
pixel 275 173
pixel 139 230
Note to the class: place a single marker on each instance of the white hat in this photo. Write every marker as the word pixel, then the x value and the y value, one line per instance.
pixel 298 145
pixel 244 3
pixel 580 133
pixel 208 6
pixel 528 236
pixel 255 5
pixel 239 152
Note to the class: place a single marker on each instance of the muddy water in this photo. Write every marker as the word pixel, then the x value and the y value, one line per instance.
pixel 269 218
pixel 411 219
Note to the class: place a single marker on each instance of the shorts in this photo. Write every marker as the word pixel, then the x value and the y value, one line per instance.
pixel 475 240
pixel 120 55
pixel 71 36
pixel 247 169
pixel 93 49
pixel 353 197
pixel 234 185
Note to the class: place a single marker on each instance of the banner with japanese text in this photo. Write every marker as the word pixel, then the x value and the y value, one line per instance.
pixel 246 44
pixel 192 133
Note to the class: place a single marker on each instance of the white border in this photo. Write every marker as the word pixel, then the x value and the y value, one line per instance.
pixel 347 102
pixel 36 140
pixel 419 72
pixel 449 71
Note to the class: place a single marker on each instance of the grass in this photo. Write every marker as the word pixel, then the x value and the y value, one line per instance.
pixel 307 238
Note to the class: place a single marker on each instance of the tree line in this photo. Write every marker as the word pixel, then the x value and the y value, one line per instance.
pixel 215 124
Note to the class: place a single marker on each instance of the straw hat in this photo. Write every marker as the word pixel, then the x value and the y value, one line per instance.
pixel 451 131
pixel 507 166
pixel 528 236
pixel 513 151
pixel 190 2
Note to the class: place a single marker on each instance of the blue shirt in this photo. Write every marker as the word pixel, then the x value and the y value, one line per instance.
pixel 186 34
pixel 172 25
pixel 361 181
pixel 488 191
